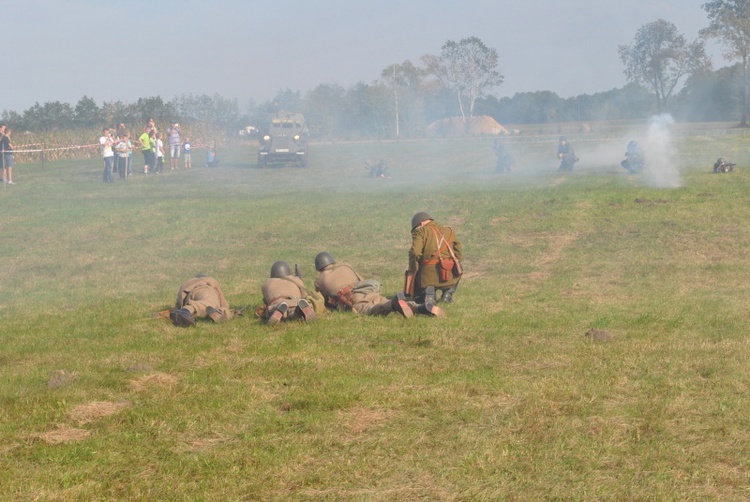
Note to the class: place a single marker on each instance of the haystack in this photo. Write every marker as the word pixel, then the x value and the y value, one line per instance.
pixel 455 126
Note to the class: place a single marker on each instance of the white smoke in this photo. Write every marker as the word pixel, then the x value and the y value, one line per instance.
pixel 661 169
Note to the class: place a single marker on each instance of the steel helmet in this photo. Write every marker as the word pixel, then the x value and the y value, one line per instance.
pixel 419 218
pixel 280 269
pixel 323 259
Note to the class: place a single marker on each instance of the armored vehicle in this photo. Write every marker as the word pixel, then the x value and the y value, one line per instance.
pixel 285 140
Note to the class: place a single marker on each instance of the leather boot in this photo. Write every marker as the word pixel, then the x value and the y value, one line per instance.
pixel 400 305
pixel 306 311
pixel 278 313
pixel 214 315
pixel 429 295
pixel 431 309
pixel 182 318
pixel 448 295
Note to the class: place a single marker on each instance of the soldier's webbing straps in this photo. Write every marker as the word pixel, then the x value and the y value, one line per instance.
pixel 439 242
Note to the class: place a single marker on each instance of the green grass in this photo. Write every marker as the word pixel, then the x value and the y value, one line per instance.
pixel 503 399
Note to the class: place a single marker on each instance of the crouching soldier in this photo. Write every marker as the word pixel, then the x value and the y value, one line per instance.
pixel 504 159
pixel 566 155
pixel 285 296
pixel 434 260
pixel 344 289
pixel 198 298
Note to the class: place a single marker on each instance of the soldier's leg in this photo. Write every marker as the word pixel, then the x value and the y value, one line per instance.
pixel 448 294
pixel 381 305
pixel 277 313
pixel 305 311
pixel 203 297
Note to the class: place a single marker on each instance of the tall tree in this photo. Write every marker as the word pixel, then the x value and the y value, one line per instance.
pixel 400 78
pixel 729 22
pixel 660 57
pixel 87 113
pixel 468 68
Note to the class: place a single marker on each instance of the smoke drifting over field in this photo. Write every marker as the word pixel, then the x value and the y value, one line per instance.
pixel 661 169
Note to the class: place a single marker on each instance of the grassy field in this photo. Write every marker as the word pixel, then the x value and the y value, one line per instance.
pixel 504 399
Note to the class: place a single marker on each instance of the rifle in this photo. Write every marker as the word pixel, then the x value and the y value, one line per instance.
pixel 163 314
pixel 241 311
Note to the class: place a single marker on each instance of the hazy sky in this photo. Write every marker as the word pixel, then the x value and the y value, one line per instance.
pixel 61 50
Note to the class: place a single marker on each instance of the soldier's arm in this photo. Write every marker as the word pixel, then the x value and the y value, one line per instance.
pixel 416 251
pixel 457 249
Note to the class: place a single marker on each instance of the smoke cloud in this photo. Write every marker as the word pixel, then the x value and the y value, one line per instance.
pixel 661 169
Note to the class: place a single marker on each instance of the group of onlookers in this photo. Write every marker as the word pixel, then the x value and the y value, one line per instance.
pixel 117 150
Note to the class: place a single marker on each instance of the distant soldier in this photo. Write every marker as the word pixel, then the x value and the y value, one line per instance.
pixel 284 296
pixel 198 298
pixel 634 158
pixel 722 166
pixel 434 260
pixel 344 289
pixel 377 169
pixel 566 155
pixel 504 159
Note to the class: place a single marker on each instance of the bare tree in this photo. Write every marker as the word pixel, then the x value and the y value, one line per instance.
pixel 468 68
pixel 398 77
pixel 660 57
pixel 729 22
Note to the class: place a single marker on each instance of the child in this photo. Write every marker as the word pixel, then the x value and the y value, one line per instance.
pixel 159 153
pixel 121 150
pixel 186 153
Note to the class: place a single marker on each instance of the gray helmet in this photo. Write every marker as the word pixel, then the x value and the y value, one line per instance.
pixel 280 269
pixel 419 218
pixel 323 259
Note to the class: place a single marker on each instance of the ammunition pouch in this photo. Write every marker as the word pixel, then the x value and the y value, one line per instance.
pixel 446 269
pixel 343 298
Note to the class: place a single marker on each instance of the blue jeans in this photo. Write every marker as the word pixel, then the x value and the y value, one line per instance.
pixel 108 163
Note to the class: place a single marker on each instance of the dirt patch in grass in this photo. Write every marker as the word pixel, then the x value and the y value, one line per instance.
pixel 96 410
pixel 598 335
pixel 200 445
pixel 61 378
pixel 64 434
pixel 361 419
pixel 154 380
pixel 557 245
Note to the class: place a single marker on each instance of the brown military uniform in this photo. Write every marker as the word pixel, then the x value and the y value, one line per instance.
pixel 198 293
pixel 288 289
pixel 343 288
pixel 424 258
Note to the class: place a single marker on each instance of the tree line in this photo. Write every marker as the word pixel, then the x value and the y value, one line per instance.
pixel 664 72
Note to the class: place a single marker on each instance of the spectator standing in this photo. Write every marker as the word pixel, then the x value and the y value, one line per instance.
pixel 7 152
pixel 121 150
pixel 2 160
pixel 186 152
pixel 148 158
pixel 174 139
pixel 106 141
pixel 159 153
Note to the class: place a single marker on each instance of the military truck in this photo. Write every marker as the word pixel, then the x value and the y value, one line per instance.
pixel 285 140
